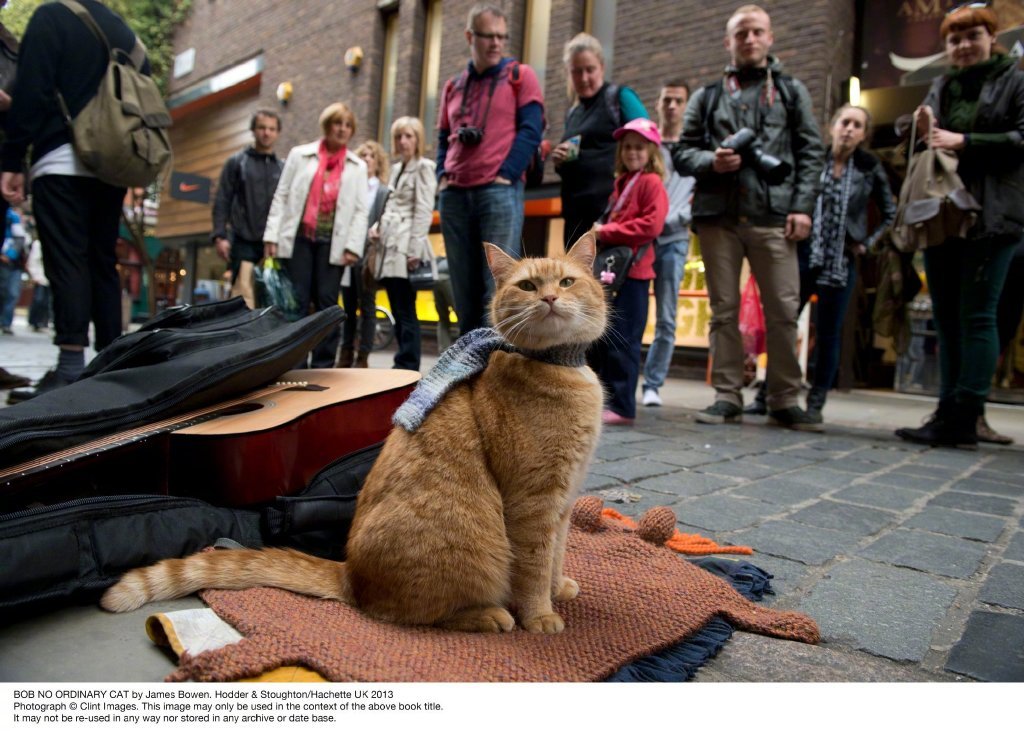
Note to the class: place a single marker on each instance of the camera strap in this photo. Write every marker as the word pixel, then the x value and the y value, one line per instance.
pixel 464 106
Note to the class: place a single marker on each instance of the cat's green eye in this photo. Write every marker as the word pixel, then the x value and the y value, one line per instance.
pixel 567 282
pixel 527 286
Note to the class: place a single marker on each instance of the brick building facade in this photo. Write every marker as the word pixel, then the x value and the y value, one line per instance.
pixel 303 42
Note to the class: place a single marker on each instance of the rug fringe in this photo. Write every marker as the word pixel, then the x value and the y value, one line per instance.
pixel 681 662
pixel 678 663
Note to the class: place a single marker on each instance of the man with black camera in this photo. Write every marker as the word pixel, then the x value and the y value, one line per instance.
pixel 489 126
pixel 752 144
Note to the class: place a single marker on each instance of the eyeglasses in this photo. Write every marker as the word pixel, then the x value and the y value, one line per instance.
pixel 966 6
pixel 491 36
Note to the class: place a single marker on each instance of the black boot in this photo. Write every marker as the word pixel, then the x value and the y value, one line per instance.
pixel 759 406
pixel 816 400
pixel 952 425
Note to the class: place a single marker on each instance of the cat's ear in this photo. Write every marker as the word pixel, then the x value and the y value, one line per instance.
pixel 584 250
pixel 499 261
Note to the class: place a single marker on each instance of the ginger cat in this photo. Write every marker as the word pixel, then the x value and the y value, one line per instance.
pixel 464 520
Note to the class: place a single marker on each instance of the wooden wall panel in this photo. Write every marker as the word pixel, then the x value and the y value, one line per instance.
pixel 202 142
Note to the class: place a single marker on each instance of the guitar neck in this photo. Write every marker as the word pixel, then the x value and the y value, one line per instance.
pixel 112 442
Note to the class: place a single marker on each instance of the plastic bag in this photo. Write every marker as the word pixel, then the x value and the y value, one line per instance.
pixel 752 319
pixel 274 288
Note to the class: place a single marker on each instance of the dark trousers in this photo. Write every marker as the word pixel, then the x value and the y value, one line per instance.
pixel 317 283
pixel 77 219
pixel 407 325
pixel 965 279
pixel 828 316
pixel 580 212
pixel 243 250
pixel 616 356
pixel 360 303
pixel 39 310
pixel 1011 301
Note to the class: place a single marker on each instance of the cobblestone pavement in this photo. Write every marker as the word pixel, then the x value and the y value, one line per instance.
pixel 911 559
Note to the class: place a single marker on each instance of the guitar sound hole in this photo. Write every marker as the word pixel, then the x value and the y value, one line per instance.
pixel 240 409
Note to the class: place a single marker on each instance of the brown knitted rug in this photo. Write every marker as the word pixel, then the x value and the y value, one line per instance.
pixel 636 598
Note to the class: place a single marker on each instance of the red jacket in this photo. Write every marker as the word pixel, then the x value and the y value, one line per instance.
pixel 639 221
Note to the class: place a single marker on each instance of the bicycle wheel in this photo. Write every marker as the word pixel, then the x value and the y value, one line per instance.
pixel 384 333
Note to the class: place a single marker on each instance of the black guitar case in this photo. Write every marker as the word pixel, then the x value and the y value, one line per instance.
pixel 184 359
pixel 70 552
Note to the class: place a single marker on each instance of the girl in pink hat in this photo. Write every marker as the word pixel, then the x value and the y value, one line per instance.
pixel 635 215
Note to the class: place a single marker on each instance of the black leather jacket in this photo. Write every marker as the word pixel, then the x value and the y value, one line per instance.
pixel 869 182
pixel 993 173
pixel 744 196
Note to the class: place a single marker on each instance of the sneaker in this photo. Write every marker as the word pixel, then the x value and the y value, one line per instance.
pixel 651 397
pixel 756 408
pixel 7 331
pixel 796 418
pixel 610 418
pixel 988 434
pixel 720 412
pixel 48 382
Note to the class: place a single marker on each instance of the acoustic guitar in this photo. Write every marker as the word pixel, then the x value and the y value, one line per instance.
pixel 241 452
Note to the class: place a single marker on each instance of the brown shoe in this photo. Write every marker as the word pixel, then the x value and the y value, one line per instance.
pixel 988 434
pixel 345 358
pixel 362 360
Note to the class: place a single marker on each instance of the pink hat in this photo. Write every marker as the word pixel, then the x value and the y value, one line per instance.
pixel 643 127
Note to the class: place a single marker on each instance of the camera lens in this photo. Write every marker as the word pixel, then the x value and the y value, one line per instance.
pixel 470 135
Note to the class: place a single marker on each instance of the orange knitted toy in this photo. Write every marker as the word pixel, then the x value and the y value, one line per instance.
pixel 691 544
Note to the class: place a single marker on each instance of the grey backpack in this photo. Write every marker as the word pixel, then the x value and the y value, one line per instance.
pixel 121 134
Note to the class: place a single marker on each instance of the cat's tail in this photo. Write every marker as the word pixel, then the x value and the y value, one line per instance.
pixel 229 569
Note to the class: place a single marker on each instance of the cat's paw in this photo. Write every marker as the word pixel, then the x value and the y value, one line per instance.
pixel 549 624
pixel 565 589
pixel 487 619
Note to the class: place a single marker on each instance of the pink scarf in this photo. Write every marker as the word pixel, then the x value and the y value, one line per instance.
pixel 323 193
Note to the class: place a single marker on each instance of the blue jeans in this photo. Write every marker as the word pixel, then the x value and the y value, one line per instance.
pixel 668 273
pixel 469 217
pixel 616 356
pixel 10 290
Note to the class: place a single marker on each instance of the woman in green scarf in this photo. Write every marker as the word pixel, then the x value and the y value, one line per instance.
pixel 978 111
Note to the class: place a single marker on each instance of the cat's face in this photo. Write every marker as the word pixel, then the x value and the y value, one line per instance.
pixel 541 303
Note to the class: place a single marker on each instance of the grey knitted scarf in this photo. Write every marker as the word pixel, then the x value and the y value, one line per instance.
pixel 467 357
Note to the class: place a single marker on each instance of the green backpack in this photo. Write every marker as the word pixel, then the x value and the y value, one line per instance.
pixel 121 134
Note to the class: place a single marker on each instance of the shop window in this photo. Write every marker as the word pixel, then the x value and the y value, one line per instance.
pixel 599 21
pixel 535 39
pixel 390 67
pixel 430 83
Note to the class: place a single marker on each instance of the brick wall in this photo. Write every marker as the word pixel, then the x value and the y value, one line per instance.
pixel 304 41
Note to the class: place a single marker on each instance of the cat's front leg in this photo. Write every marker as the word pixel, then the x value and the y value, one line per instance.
pixel 562 587
pixel 533 545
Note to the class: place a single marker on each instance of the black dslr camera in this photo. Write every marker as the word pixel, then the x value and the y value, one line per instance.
pixel 744 142
pixel 470 135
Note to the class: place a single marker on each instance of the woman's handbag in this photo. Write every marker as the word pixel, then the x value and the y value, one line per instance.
pixel 611 266
pixel 612 263
pixel 933 204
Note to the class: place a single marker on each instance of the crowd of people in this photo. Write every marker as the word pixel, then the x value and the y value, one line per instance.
pixel 740 162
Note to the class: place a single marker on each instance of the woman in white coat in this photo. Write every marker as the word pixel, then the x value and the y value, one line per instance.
pixel 318 218
pixel 403 230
